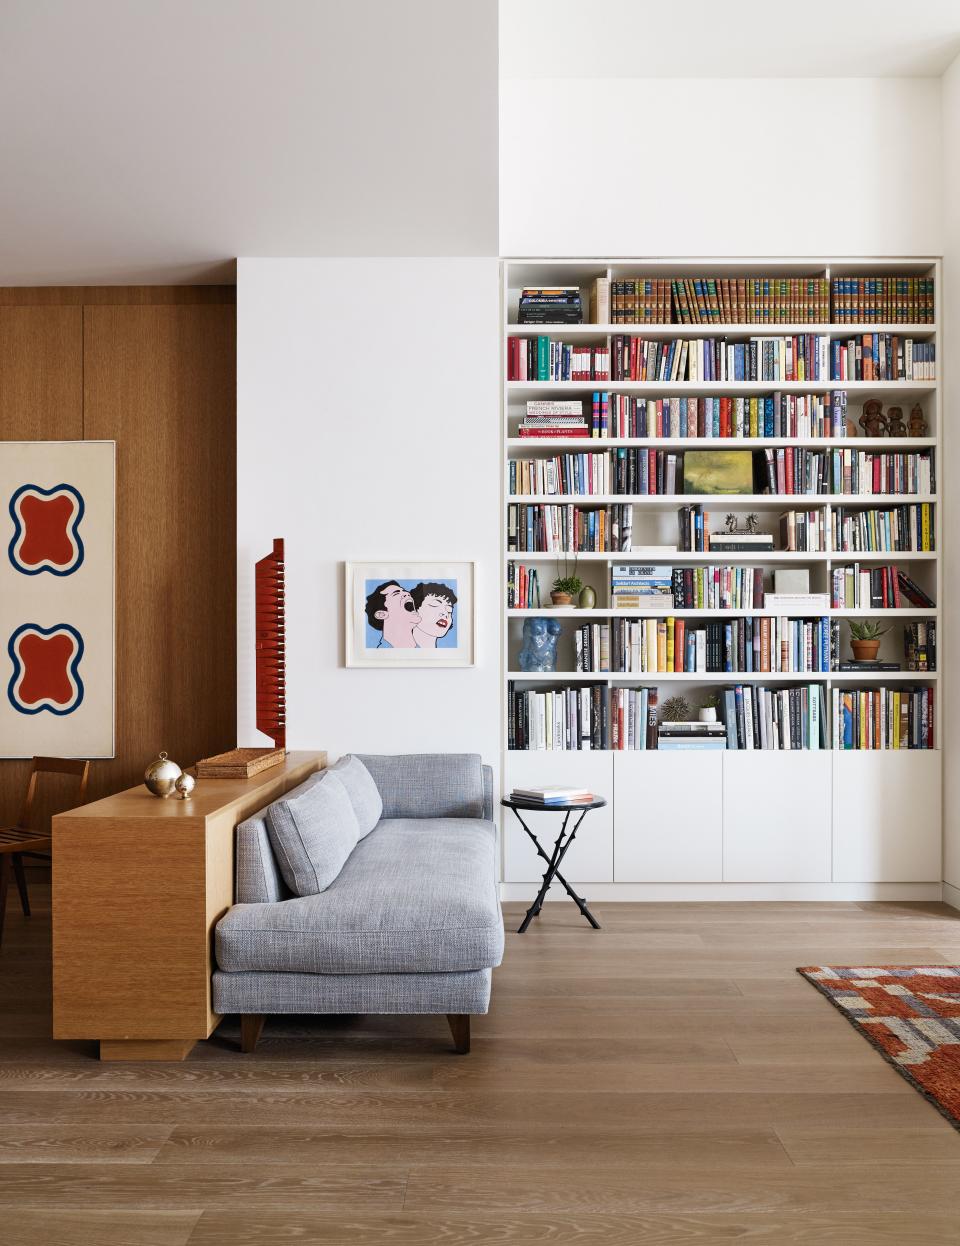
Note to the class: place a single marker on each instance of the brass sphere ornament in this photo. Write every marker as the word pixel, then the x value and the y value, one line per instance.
pixel 185 785
pixel 160 777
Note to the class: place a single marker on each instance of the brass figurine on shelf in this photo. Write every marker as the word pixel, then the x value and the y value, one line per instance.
pixel 161 775
pixel 751 523
pixel 918 425
pixel 873 421
pixel 895 424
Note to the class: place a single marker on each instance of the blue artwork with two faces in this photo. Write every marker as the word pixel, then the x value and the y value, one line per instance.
pixel 411 614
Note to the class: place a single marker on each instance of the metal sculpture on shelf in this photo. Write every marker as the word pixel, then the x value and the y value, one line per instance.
pixel 270 646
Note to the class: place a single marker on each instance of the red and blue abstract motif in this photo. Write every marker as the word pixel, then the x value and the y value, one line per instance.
pixel 46 669
pixel 46 529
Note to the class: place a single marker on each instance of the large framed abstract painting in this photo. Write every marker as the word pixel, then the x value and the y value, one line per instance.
pixel 57 502
pixel 410 614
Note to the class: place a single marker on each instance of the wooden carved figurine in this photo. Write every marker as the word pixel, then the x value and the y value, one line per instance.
pixel 873 421
pixel 895 424
pixel 918 425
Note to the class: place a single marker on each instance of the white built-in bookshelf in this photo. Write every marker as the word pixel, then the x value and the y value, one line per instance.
pixel 813 822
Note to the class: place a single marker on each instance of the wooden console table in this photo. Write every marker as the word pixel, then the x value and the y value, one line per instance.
pixel 138 886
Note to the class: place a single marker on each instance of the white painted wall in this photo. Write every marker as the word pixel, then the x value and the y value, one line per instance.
pixel 950 470
pixel 749 166
pixel 366 435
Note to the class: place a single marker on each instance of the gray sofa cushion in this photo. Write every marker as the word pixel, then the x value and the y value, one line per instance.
pixel 362 790
pixel 313 993
pixel 416 896
pixel 428 785
pixel 313 832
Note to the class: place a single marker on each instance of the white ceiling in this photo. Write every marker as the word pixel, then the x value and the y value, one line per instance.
pixel 728 38
pixel 155 140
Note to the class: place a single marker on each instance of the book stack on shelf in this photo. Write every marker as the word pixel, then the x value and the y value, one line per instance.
pixel 895 529
pixel 523 587
pixel 550 305
pixel 683 737
pixel 555 528
pixel 560 474
pixel 562 417
pixel 635 587
pixel 804 358
pixel 737 416
pixel 559 719
pixel 920 646
pixel 779 719
pixel 717 587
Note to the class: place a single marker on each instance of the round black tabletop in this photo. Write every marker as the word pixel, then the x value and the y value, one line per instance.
pixel 515 803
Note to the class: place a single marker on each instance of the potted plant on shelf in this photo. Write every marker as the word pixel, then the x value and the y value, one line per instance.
pixel 865 639
pixel 709 706
pixel 566 586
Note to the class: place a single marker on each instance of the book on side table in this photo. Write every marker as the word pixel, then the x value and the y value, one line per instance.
pixel 552 795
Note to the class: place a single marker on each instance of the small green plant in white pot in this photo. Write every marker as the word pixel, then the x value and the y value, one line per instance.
pixel 709 707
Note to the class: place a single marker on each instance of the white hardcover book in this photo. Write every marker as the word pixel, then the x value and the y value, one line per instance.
pixel 585 742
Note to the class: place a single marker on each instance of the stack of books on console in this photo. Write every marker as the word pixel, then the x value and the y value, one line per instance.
pixel 684 736
pixel 548 796
pixel 741 542
pixel 562 418
pixel 550 305
pixel 641 588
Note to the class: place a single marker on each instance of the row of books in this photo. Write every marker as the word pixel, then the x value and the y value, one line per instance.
pixel 857 472
pixel 809 357
pixel 883 300
pixel 543 359
pixel 547 527
pixel 772 415
pixel 882 357
pixel 583 474
pixel 855 587
pixel 786 470
pixel 756 644
pixel 872 471
pixel 523 587
pixel 550 305
pixel 740 300
pixel 920 646
pixel 754 718
pixel 635 358
pixel 897 529
pixel 883 718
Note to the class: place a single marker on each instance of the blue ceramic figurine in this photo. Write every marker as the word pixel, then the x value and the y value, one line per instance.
pixel 539 652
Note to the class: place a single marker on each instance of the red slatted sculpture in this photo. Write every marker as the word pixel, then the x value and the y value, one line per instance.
pixel 271 654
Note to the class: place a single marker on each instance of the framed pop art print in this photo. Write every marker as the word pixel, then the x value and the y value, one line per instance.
pixel 410 614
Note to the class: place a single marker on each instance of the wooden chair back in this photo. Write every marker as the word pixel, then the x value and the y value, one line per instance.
pixel 53 765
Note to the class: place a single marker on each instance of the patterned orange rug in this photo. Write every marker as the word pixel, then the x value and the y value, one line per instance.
pixel 911 1014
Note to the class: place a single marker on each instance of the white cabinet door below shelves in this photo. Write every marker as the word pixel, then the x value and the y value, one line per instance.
pixel 590 859
pixel 776 817
pixel 887 817
pixel 668 817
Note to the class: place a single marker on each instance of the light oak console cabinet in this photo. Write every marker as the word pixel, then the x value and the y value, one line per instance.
pixel 138 886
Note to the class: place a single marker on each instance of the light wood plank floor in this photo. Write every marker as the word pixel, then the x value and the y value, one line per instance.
pixel 669 1079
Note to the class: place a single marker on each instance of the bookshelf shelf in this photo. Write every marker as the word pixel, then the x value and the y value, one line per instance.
pixel 717 330
pixel 593 445
pixel 721 677
pixel 769 501
pixel 575 389
pixel 839 835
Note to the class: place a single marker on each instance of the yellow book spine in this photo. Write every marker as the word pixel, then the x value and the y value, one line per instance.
pixel 671 624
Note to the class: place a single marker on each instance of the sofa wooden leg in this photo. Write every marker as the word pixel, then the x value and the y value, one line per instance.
pixel 460 1029
pixel 251 1027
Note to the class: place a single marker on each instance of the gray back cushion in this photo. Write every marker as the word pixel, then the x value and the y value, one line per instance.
pixel 363 792
pixel 428 785
pixel 312 833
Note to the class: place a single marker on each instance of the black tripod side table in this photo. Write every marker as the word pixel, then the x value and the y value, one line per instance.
pixel 559 851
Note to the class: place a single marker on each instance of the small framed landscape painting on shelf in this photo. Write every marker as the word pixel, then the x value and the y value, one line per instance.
pixel 409 614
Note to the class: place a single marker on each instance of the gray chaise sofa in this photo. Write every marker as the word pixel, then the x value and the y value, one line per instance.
pixel 371 888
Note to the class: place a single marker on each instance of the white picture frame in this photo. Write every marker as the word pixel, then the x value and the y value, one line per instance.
pixel 426 619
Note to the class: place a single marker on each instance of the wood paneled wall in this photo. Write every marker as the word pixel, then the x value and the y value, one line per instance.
pixel 154 369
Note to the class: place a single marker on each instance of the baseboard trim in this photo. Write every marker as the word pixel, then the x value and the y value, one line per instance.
pixel 700 892
pixel 951 895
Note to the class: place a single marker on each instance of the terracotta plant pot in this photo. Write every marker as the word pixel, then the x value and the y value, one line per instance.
pixel 561 599
pixel 865 650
